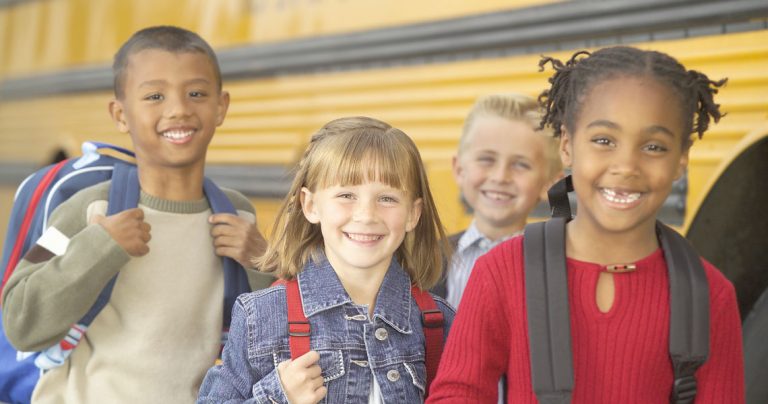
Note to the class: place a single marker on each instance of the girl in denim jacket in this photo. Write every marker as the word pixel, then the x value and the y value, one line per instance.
pixel 357 229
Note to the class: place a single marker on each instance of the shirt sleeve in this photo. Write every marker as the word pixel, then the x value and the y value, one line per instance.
pixel 235 380
pixel 476 354
pixel 60 277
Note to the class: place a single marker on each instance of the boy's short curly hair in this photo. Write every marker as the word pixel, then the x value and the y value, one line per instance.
pixel 164 37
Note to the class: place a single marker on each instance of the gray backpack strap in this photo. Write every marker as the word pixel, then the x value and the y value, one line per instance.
pixel 689 312
pixel 549 326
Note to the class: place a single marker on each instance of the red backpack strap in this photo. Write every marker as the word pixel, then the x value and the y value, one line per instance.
pixel 298 325
pixel 432 321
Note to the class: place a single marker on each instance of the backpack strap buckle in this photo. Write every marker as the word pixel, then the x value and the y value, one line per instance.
pixel 298 328
pixel 432 318
pixel 684 387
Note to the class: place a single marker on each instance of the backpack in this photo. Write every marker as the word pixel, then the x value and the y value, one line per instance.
pixel 431 319
pixel 35 199
pixel 546 288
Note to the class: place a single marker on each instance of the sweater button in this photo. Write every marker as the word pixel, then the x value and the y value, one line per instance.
pixel 381 334
pixel 393 375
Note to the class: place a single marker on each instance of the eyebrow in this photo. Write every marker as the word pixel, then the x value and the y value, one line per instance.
pixel 613 125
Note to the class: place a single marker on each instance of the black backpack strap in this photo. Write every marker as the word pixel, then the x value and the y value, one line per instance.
pixel 558 198
pixel 689 312
pixel 549 326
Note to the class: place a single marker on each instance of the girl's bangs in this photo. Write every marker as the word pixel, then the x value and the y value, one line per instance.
pixel 361 157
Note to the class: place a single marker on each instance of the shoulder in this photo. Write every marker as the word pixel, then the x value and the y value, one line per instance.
pixel 239 201
pixel 506 253
pixel 72 214
pixel 443 305
pixel 721 290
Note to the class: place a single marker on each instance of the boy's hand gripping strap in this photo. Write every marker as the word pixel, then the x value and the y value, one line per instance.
pixel 124 193
pixel 549 326
pixel 689 312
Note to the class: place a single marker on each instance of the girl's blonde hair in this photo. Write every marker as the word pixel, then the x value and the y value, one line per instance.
pixel 351 151
pixel 514 107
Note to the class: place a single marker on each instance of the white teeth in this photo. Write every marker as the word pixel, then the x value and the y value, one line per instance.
pixel 497 196
pixel 613 196
pixel 177 134
pixel 363 237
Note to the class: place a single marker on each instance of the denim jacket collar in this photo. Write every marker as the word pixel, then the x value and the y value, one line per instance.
pixel 321 290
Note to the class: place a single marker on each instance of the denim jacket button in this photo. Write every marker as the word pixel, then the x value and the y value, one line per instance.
pixel 381 334
pixel 393 375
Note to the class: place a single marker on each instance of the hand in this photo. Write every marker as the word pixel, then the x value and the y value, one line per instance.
pixel 237 238
pixel 128 229
pixel 302 379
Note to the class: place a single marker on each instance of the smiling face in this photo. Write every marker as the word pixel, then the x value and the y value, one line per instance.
pixel 625 151
pixel 171 106
pixel 502 172
pixel 362 225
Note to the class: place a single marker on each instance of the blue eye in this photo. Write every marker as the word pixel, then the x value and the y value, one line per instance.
pixel 388 199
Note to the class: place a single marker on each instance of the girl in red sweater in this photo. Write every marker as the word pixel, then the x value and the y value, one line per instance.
pixel 625 119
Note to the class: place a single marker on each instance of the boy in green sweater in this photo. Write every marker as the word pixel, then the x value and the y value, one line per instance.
pixel 161 329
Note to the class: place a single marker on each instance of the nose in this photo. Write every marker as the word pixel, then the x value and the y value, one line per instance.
pixel 625 162
pixel 364 211
pixel 177 107
pixel 501 173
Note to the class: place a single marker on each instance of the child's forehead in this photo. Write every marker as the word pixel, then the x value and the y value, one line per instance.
pixel 149 62
pixel 629 99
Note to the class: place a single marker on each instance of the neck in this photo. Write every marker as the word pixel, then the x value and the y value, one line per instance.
pixel 495 233
pixel 362 284
pixel 172 184
pixel 586 243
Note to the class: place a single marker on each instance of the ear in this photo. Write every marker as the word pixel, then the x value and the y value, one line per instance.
pixel 566 147
pixel 117 112
pixel 457 169
pixel 223 106
pixel 308 206
pixel 683 163
pixel 414 215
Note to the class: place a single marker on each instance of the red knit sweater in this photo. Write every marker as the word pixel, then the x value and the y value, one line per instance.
pixel 621 356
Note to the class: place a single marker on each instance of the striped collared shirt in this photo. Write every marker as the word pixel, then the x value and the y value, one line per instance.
pixel 471 246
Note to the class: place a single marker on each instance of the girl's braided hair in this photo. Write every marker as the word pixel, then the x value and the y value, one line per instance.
pixel 573 79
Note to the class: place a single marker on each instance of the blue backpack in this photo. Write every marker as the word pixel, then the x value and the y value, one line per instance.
pixel 35 199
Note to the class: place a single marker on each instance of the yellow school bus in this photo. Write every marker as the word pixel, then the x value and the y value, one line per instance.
pixel 292 65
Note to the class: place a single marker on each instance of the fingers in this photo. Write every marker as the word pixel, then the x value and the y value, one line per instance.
pixel 302 378
pixel 224 218
pixel 128 229
pixel 307 360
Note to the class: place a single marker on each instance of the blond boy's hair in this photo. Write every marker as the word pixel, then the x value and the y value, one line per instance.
pixel 351 151
pixel 514 107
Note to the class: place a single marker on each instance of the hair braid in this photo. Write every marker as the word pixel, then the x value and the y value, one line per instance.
pixel 573 80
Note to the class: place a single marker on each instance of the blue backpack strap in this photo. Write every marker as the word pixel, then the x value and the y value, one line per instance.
pixel 124 194
pixel 235 278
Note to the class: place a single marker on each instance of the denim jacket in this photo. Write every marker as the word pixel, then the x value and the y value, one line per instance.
pixel 352 348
